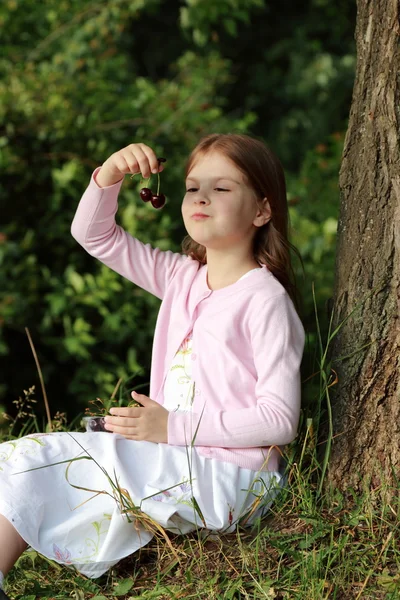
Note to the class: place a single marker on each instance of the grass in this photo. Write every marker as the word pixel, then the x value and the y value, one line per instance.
pixel 302 550
pixel 314 544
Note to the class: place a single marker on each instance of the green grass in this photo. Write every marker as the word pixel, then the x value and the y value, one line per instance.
pixel 302 550
pixel 314 544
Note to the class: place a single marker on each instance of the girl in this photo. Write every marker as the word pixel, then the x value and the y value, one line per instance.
pixel 203 450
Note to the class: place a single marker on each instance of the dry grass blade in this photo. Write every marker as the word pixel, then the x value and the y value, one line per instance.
pixel 116 388
pixel 46 402
pixel 152 526
pixel 389 537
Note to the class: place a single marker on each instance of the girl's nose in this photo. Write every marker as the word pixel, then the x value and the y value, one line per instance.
pixel 201 200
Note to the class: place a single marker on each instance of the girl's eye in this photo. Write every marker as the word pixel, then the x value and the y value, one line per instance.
pixel 195 190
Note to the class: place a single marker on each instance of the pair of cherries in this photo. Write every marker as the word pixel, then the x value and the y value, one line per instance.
pixel 157 200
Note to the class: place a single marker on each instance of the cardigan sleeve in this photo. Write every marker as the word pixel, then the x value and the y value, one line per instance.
pixel 94 228
pixel 277 340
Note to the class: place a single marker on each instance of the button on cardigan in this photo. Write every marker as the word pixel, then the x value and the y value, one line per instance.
pixel 248 336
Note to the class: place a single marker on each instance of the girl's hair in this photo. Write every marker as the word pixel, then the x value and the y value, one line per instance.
pixel 264 173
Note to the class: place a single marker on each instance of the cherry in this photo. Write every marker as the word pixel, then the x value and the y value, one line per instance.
pixel 96 424
pixel 158 200
pixel 146 194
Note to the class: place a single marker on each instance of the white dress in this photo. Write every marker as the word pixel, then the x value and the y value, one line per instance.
pixel 174 485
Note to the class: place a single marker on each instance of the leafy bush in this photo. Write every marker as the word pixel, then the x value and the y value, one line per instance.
pixel 76 86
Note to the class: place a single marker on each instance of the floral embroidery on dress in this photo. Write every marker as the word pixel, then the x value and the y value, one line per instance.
pixel 22 446
pixel 162 496
pixel 230 516
pixel 179 390
pixel 184 347
pixel 180 497
pixel 6 451
pixel 62 555
pixel 185 487
pixel 92 545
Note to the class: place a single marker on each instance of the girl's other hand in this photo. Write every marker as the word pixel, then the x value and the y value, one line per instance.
pixel 148 422
pixel 133 159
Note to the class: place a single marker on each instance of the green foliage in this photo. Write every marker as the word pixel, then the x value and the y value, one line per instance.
pixel 79 81
pixel 313 196
pixel 200 17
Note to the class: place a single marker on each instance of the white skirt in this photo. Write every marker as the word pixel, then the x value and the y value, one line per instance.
pixel 174 485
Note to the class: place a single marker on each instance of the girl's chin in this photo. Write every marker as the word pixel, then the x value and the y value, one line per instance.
pixel 199 239
pixel 206 243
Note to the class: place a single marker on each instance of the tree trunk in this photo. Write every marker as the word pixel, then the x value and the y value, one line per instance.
pixel 366 400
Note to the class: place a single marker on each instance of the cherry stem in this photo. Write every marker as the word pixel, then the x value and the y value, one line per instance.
pixel 158 186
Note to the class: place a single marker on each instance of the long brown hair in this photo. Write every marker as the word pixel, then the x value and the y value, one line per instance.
pixel 264 173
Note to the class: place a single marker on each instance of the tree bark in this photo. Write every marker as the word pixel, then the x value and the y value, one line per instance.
pixel 366 399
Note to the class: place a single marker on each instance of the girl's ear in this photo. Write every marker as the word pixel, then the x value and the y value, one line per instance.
pixel 264 214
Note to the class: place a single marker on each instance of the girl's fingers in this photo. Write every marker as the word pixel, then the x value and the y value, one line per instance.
pixel 141 157
pixel 120 421
pixel 125 411
pixel 121 164
pixel 125 431
pixel 132 164
pixel 152 158
pixel 138 158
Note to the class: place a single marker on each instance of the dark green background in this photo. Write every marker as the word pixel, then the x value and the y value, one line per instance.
pixel 80 80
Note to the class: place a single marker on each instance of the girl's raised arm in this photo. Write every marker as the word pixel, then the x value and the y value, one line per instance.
pixel 94 225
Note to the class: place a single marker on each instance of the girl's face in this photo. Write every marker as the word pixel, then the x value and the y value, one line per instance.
pixel 216 187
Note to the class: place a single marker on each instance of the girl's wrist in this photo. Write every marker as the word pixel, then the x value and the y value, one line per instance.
pixel 104 178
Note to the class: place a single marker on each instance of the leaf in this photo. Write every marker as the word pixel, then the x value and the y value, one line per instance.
pixel 309 541
pixel 390 582
pixel 199 37
pixel 197 508
pixel 234 587
pixel 123 587
pixel 76 281
pixel 230 27
pixel 185 18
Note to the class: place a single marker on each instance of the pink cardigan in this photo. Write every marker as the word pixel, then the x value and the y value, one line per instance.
pixel 248 341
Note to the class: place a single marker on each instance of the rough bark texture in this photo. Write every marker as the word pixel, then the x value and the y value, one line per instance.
pixel 366 400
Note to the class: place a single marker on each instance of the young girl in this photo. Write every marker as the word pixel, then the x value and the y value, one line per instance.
pixel 203 450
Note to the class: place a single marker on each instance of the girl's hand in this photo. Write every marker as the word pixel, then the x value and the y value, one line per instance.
pixel 135 158
pixel 148 422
